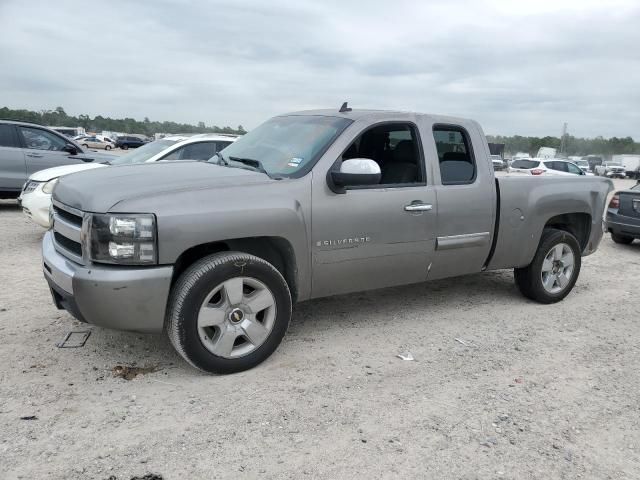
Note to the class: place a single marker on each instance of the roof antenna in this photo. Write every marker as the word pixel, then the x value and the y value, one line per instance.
pixel 344 108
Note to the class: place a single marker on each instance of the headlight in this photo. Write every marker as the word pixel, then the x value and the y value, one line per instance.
pixel 48 187
pixel 122 239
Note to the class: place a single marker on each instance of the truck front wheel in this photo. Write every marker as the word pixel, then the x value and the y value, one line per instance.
pixel 228 312
pixel 554 269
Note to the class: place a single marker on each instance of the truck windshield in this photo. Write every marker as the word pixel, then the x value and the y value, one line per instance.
pixel 286 146
pixel 144 153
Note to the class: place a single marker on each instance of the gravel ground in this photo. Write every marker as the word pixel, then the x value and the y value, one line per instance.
pixel 500 387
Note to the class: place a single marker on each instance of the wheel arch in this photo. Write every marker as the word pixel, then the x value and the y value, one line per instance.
pixel 577 224
pixel 275 250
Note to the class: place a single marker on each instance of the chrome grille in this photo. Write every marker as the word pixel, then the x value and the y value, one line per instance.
pixel 30 186
pixel 67 231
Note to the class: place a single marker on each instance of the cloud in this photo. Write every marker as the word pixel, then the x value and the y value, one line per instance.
pixel 516 68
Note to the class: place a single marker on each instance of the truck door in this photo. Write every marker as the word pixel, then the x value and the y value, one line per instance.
pixel 44 149
pixel 466 196
pixel 13 170
pixel 379 235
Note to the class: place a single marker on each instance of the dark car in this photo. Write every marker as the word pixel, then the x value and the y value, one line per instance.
pixel 623 215
pixel 125 142
pixel 26 148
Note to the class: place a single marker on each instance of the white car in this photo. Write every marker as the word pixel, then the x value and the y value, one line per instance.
pixel 545 166
pixel 36 193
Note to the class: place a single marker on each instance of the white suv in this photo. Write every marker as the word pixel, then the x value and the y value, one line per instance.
pixel 545 166
pixel 36 193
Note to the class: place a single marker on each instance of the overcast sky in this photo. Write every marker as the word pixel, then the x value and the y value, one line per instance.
pixel 518 67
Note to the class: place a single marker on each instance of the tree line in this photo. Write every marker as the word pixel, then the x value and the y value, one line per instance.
pixel 59 118
pixel 573 145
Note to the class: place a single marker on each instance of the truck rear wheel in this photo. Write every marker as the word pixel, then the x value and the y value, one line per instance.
pixel 554 269
pixel 228 312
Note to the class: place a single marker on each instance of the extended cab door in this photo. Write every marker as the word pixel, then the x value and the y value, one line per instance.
pixel 466 196
pixel 44 149
pixel 374 236
pixel 13 170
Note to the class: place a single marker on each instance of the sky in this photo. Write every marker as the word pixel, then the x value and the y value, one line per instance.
pixel 518 67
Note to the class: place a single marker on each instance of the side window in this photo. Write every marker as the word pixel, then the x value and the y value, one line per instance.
pixel 7 136
pixel 574 169
pixel 41 140
pixel 199 151
pixel 221 146
pixel 559 166
pixel 175 155
pixel 395 147
pixel 457 163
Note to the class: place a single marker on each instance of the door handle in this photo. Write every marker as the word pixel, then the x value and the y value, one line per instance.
pixel 418 207
pixel 34 155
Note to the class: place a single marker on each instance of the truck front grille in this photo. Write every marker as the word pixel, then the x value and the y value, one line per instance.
pixel 67 232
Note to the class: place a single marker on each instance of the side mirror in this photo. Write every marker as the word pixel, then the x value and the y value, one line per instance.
pixel 355 172
pixel 69 148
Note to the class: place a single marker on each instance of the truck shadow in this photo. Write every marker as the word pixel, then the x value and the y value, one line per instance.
pixel 391 304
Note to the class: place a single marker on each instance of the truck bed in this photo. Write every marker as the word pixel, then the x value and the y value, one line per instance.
pixel 526 204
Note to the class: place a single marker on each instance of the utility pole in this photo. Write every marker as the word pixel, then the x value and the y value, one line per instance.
pixel 563 140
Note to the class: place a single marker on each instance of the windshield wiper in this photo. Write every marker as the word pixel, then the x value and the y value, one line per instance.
pixel 251 162
pixel 221 159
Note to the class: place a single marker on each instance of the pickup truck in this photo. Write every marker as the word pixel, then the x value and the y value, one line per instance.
pixel 307 205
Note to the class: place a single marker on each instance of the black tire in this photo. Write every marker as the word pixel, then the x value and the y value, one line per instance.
pixel 85 145
pixel 125 147
pixel 107 147
pixel 529 278
pixel 191 290
pixel 622 239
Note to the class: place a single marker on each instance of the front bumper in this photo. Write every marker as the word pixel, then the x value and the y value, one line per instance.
pixel 35 205
pixel 122 298
pixel 622 225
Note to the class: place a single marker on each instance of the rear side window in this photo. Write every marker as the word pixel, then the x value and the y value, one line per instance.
pixel 524 164
pixel 455 156
pixel 7 136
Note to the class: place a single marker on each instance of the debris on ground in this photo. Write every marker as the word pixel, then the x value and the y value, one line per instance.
pixel 29 417
pixel 466 344
pixel 74 339
pixel 148 476
pixel 408 356
pixel 129 373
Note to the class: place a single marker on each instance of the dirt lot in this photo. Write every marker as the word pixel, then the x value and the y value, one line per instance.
pixel 500 387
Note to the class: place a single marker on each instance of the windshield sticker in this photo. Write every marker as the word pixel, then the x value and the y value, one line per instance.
pixel 294 162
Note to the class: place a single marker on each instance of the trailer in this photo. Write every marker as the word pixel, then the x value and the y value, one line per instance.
pixel 631 164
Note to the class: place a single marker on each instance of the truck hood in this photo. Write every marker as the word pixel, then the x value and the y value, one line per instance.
pixel 55 172
pixel 100 189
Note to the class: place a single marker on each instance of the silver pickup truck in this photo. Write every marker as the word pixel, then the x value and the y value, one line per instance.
pixel 307 205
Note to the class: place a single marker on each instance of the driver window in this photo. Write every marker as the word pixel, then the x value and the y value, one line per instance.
pixel 37 139
pixel 395 148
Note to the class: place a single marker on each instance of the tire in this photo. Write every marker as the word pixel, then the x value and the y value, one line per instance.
pixel 125 147
pixel 212 324
pixel 622 239
pixel 542 280
pixel 85 145
pixel 107 147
